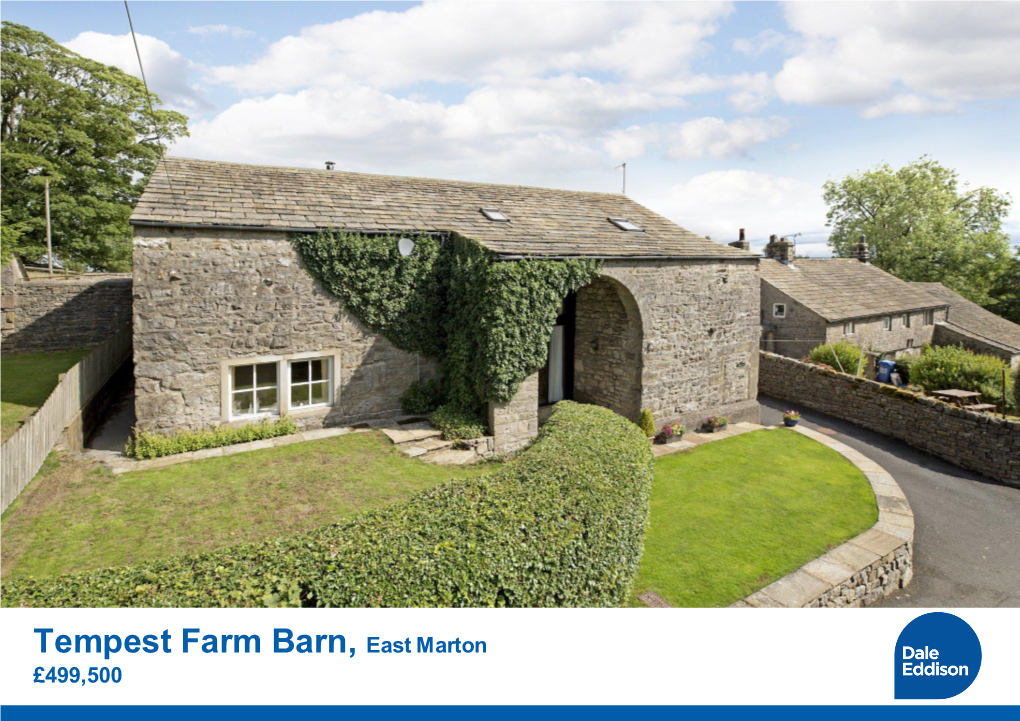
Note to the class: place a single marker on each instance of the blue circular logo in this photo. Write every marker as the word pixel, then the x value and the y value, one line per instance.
pixel 938 655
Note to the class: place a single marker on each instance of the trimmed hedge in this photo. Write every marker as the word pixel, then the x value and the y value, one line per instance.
pixel 562 524
pixel 145 445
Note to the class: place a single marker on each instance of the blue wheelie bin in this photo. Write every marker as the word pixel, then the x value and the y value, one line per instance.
pixel 885 369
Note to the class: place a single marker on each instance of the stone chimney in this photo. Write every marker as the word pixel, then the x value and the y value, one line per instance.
pixel 779 249
pixel 742 243
pixel 860 251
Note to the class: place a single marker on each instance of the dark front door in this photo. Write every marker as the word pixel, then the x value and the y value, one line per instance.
pixel 556 379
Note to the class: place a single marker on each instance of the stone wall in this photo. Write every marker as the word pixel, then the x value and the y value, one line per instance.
pixel 515 423
pixel 55 315
pixel 796 334
pixel 976 441
pixel 700 327
pixel 699 324
pixel 204 299
pixel 607 348
pixel 870 333
pixel 952 335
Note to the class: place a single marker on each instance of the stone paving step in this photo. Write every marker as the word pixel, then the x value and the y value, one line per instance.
pixel 411 433
pixel 416 450
pixel 451 457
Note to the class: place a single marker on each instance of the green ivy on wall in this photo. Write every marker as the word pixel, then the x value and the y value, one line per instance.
pixel 488 322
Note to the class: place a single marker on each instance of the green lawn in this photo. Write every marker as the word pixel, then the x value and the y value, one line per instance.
pixel 26 381
pixel 76 516
pixel 734 515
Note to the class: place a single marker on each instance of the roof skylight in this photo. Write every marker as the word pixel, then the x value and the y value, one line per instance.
pixel 625 224
pixel 495 215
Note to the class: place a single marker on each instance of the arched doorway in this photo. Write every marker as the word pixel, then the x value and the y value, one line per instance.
pixel 595 352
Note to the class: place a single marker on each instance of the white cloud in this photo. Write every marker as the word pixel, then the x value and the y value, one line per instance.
pixel 232 30
pixel 700 138
pixel 168 73
pixel 909 105
pixel 721 202
pixel 914 57
pixel 472 43
pixel 763 42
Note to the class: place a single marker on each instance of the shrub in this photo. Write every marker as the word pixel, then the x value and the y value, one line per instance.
pixel 942 367
pixel 903 365
pixel 1016 391
pixel 145 445
pixel 457 424
pixel 646 422
pixel 422 397
pixel 841 356
pixel 562 524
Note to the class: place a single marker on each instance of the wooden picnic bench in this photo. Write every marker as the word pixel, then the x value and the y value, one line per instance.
pixel 963 399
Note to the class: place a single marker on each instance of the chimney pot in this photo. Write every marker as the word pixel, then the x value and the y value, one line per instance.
pixel 330 164
pixel 860 250
pixel 742 237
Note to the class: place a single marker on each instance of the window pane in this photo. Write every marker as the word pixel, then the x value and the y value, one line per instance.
pixel 266 374
pixel 319 369
pixel 242 403
pixel 320 392
pixel 299 372
pixel 243 377
pixel 299 396
pixel 266 399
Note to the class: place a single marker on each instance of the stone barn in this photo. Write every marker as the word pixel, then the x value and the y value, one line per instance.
pixel 229 326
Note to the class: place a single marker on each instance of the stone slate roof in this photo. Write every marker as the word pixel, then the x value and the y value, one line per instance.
pixel 843 288
pixel 973 319
pixel 542 221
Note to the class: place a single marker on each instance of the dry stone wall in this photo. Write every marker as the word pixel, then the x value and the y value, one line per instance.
pixel 976 441
pixel 56 315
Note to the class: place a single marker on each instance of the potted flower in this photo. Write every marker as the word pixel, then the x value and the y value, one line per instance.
pixel 671 433
pixel 714 424
pixel 790 418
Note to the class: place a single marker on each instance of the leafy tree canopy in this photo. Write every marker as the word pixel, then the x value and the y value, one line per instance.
pixel 923 225
pixel 87 127
pixel 1006 291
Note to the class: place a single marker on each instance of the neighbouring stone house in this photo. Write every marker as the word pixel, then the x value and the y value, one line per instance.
pixel 807 302
pixel 229 326
pixel 975 328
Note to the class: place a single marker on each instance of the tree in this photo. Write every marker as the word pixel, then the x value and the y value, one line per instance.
pixel 1006 291
pixel 87 127
pixel 922 225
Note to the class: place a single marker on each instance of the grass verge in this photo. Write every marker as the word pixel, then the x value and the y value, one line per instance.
pixel 733 516
pixel 28 381
pixel 75 516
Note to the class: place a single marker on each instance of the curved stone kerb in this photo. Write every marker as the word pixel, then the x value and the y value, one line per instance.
pixel 863 570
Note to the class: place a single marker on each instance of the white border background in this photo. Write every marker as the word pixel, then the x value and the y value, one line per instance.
pixel 577 656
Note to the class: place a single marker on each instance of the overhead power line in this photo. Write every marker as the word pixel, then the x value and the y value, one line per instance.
pixel 152 112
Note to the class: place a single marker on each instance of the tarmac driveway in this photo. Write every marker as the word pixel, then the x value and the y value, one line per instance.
pixel 967 528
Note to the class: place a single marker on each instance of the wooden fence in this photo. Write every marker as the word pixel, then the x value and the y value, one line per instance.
pixel 22 455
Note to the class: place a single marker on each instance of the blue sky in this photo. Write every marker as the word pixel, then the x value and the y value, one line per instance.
pixel 727 115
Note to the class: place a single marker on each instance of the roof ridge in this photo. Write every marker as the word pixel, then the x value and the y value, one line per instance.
pixel 324 171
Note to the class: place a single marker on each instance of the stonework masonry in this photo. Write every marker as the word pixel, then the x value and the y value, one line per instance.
pixel 209 297
pixel 976 441
pixel 514 424
pixel 699 331
pixel 55 315
pixel 803 330
pixel 947 334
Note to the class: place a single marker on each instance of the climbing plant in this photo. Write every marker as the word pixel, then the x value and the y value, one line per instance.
pixel 487 321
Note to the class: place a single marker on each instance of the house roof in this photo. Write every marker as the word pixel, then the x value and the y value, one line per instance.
pixel 972 319
pixel 542 221
pixel 843 288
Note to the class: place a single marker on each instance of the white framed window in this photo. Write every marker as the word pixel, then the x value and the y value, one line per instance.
pixel 887 323
pixel 849 328
pixel 929 317
pixel 906 320
pixel 311 382
pixel 254 390
pixel 779 310
pixel 626 224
